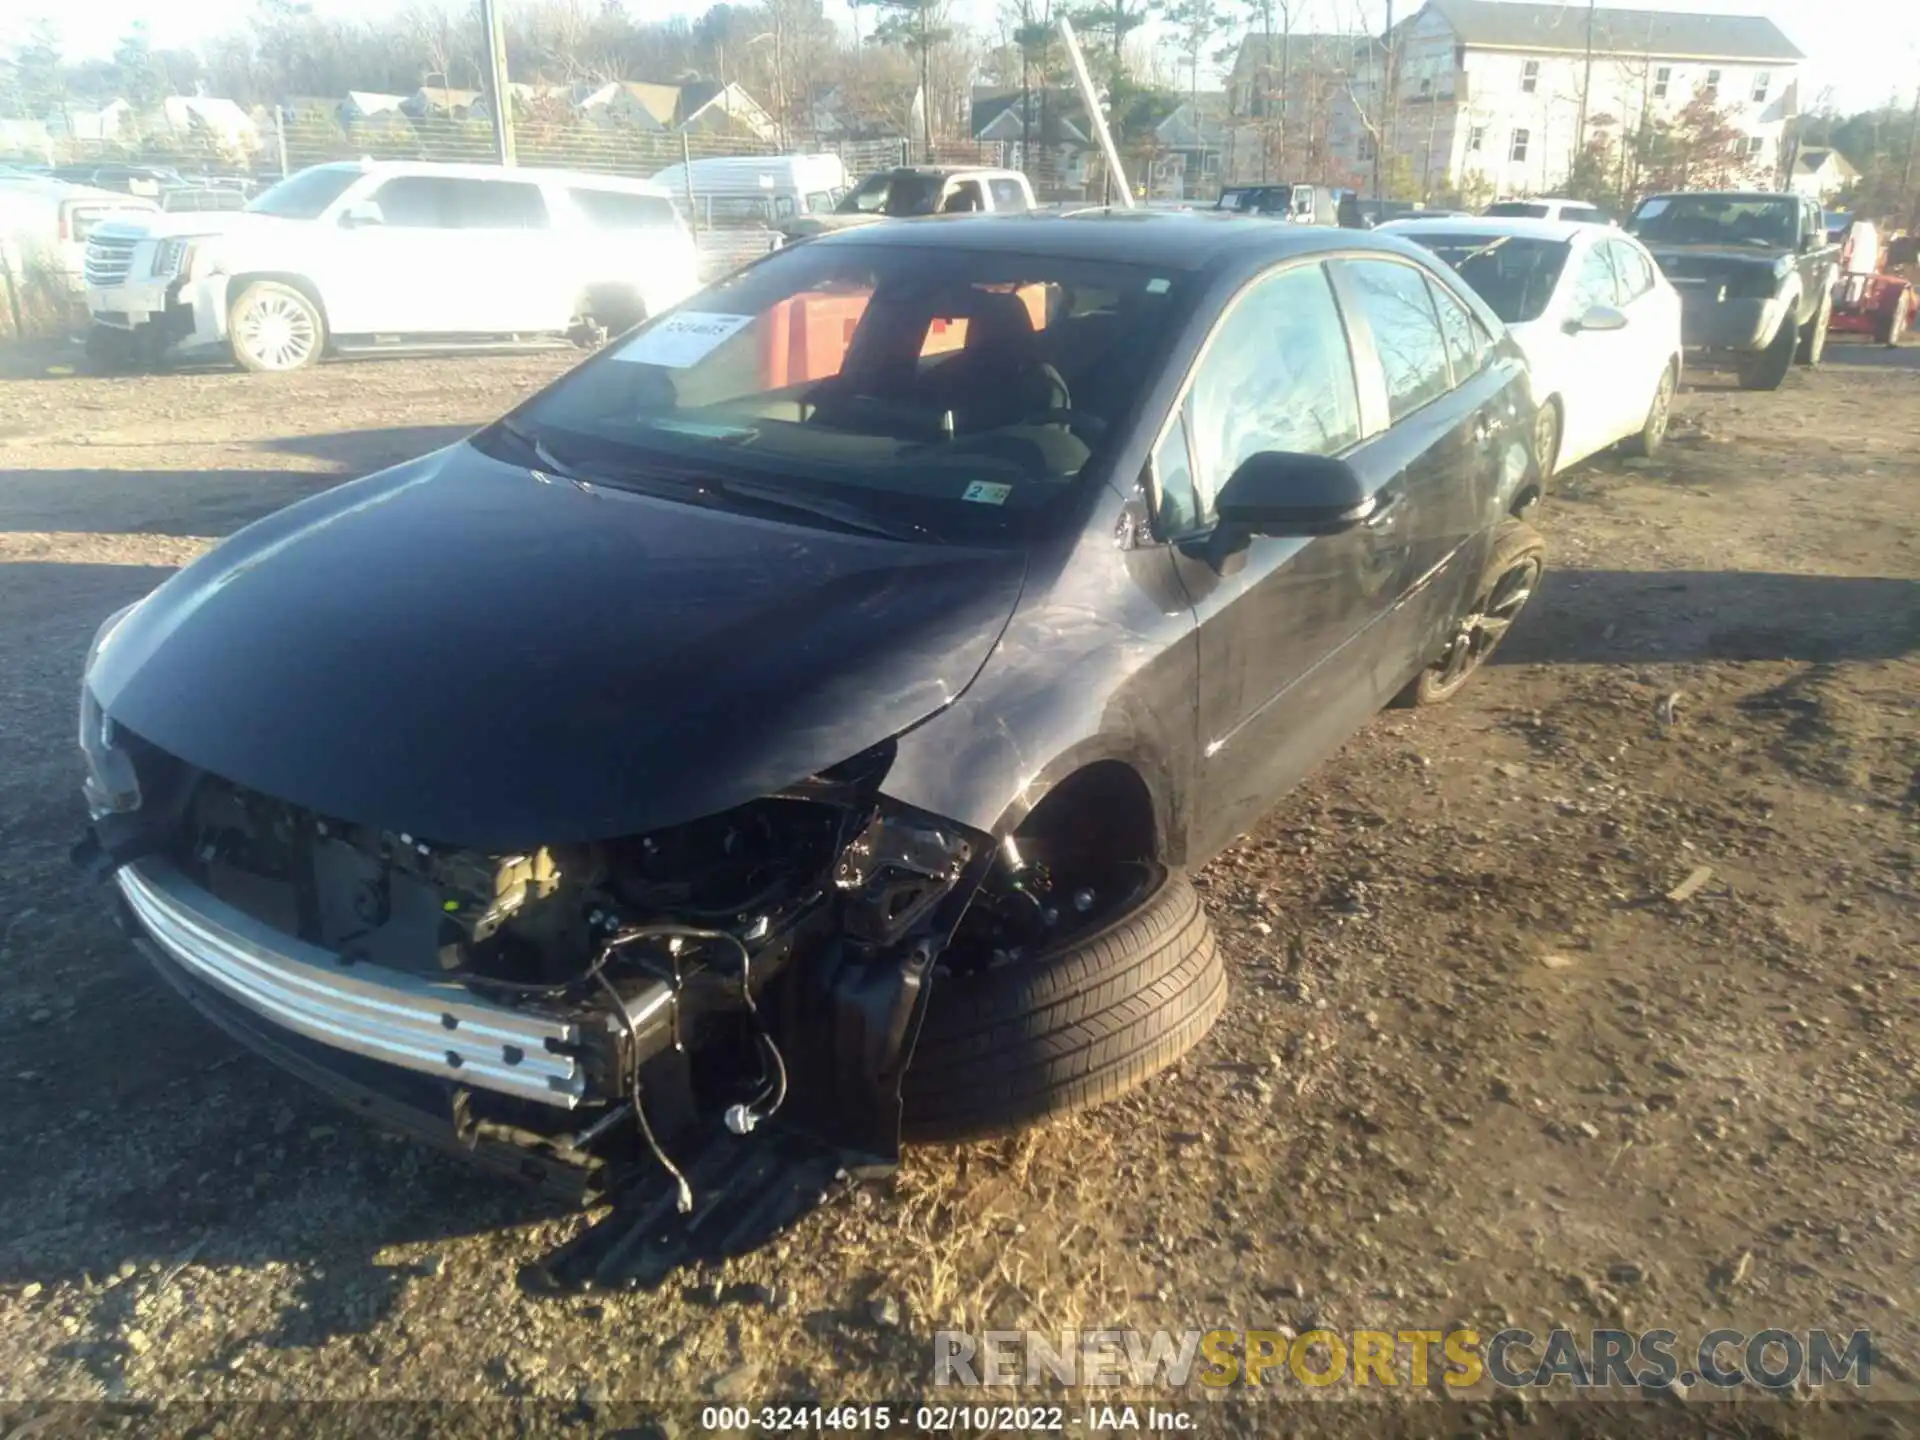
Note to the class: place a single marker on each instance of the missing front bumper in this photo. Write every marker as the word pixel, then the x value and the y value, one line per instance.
pixel 427 1026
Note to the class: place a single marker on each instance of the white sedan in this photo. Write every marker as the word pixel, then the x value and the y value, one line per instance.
pixel 1599 324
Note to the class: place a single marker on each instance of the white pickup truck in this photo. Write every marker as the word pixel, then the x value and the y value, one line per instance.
pixel 388 256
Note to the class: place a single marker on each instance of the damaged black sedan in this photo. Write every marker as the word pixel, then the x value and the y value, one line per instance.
pixel 790 730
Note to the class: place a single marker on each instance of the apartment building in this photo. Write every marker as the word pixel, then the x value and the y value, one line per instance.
pixel 1489 94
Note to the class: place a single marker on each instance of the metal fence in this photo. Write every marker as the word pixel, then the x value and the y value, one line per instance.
pixel 559 136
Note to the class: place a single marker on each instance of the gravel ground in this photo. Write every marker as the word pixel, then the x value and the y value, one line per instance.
pixel 1478 1068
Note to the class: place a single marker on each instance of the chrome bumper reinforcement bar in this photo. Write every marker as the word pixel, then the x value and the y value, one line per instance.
pixel 431 1026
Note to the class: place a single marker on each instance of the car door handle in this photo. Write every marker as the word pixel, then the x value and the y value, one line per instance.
pixel 1386 510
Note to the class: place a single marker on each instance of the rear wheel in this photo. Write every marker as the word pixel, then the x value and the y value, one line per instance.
pixel 1075 1024
pixel 1813 342
pixel 1765 369
pixel 273 326
pixel 1511 577
pixel 1653 433
pixel 1546 439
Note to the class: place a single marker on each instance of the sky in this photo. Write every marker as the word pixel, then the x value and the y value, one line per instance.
pixel 1866 50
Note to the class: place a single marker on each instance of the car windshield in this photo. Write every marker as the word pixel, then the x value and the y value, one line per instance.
pixel 306 195
pixel 1760 220
pixel 1514 274
pixel 893 192
pixel 1519 209
pixel 957 393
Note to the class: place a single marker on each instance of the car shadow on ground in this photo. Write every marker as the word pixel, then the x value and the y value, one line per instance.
pixel 1613 617
pixel 1866 352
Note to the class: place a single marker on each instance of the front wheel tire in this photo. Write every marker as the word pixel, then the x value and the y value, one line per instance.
pixel 1766 369
pixel 274 327
pixel 1074 1026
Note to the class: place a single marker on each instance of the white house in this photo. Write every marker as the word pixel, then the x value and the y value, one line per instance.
pixel 1820 173
pixel 695 106
pixel 223 121
pixel 91 122
pixel 1491 93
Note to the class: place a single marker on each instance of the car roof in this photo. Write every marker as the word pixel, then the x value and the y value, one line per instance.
pixel 1722 195
pixel 1547 200
pixel 474 171
pixel 1526 227
pixel 1170 239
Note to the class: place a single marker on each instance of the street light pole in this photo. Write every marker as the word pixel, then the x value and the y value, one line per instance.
pixel 1586 86
pixel 502 97
pixel 1383 108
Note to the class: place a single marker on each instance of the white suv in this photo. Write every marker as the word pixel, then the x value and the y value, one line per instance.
pixel 389 256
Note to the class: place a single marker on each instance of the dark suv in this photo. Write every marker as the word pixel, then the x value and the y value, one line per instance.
pixel 1755 271
pixel 797 723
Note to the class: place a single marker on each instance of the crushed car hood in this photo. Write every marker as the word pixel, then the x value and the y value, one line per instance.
pixel 474 654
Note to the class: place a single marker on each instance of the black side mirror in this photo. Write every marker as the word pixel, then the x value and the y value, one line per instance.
pixel 1277 492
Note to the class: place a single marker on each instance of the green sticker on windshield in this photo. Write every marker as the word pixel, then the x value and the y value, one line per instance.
pixel 985 492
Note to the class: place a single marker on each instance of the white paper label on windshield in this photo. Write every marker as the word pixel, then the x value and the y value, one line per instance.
pixel 681 340
pixel 985 492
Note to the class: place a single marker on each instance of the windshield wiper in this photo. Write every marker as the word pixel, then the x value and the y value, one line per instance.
pixel 541 454
pixel 715 492
pixel 770 499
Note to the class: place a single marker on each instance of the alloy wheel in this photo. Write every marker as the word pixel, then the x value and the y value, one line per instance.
pixel 1487 624
pixel 1662 412
pixel 277 331
pixel 1546 439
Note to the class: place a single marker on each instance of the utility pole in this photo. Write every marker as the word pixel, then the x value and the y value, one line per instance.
pixel 1286 71
pixel 1383 108
pixel 1906 173
pixel 502 97
pixel 1586 88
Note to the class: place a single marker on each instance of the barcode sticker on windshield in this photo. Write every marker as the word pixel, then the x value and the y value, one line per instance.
pixel 681 340
pixel 985 492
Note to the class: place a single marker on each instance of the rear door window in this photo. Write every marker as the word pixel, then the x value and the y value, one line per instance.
pixel 1634 270
pixel 1398 308
pixel 621 210
pixel 1468 346
pixel 1007 194
pixel 498 205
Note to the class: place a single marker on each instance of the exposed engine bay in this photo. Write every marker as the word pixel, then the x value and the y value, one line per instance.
pixel 761 967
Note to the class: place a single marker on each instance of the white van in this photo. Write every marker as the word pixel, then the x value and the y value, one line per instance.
pixel 736 191
pixel 389 255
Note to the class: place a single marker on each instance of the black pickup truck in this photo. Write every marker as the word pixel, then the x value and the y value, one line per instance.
pixel 1755 273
